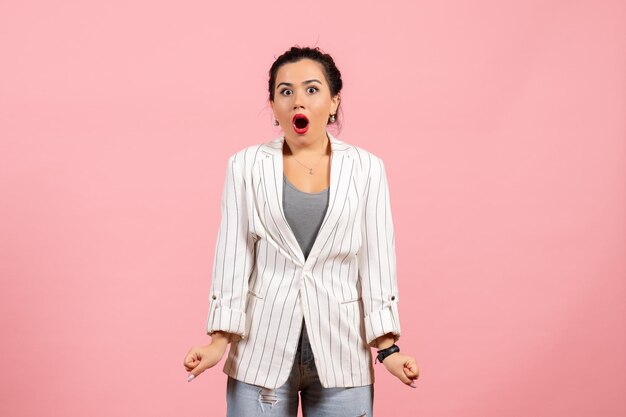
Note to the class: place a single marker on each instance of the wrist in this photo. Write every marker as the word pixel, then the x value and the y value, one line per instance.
pixel 220 338
pixel 383 353
pixel 385 341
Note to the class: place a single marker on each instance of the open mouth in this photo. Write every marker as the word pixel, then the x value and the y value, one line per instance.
pixel 300 123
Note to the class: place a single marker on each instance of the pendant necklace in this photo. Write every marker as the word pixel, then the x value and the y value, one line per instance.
pixel 309 168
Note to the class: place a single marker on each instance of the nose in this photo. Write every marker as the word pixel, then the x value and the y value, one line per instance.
pixel 297 101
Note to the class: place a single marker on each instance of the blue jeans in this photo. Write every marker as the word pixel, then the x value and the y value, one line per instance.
pixel 247 400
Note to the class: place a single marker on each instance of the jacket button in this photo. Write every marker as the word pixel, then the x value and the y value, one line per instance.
pixel 393 297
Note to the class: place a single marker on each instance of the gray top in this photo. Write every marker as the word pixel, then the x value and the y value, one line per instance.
pixel 304 212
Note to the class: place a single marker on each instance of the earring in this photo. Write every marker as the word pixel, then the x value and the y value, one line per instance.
pixel 332 118
pixel 276 122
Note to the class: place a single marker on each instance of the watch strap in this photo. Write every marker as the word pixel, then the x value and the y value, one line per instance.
pixel 382 354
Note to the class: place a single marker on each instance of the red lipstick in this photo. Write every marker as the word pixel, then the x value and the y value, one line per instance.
pixel 300 123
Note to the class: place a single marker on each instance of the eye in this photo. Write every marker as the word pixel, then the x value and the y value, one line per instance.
pixel 284 90
pixel 314 88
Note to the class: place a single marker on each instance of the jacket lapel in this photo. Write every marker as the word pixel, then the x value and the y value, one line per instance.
pixel 341 164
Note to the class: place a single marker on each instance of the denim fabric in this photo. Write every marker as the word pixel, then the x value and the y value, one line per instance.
pixel 247 400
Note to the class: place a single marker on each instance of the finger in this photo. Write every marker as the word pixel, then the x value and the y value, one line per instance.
pixel 191 359
pixel 404 378
pixel 409 381
pixel 189 368
pixel 410 368
pixel 410 373
pixel 194 373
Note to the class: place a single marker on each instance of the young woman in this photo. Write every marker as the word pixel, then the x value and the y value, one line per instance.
pixel 304 280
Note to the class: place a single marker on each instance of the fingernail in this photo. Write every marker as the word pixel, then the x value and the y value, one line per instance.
pixel 413 385
pixel 190 378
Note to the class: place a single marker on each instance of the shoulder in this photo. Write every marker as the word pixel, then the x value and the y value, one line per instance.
pixel 245 158
pixel 368 162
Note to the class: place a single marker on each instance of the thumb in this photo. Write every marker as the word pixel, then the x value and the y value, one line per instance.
pixel 407 379
pixel 200 367
pixel 410 377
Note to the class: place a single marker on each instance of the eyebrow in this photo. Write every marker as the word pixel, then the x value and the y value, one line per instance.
pixel 303 82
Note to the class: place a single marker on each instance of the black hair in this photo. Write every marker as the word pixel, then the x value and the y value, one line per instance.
pixel 330 70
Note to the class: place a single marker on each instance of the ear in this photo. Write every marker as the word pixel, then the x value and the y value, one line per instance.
pixel 272 107
pixel 335 103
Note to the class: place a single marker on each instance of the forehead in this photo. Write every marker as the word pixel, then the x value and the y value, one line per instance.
pixel 304 69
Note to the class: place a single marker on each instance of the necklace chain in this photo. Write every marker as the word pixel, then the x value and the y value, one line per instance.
pixel 309 168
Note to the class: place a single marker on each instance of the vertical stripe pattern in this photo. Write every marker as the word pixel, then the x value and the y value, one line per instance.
pixel 263 287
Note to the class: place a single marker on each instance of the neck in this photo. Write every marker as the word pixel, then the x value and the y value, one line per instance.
pixel 318 146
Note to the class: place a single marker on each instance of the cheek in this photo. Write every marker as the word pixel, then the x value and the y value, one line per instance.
pixel 281 110
pixel 321 109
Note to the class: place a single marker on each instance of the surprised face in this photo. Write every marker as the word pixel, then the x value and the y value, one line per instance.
pixel 302 101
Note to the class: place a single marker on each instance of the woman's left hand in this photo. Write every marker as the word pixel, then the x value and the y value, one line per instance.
pixel 402 366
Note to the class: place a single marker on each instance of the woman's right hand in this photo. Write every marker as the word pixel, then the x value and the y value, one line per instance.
pixel 201 358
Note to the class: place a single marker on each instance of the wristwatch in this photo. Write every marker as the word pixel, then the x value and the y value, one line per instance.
pixel 382 354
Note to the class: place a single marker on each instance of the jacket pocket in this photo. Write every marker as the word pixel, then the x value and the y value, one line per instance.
pixel 352 300
pixel 252 293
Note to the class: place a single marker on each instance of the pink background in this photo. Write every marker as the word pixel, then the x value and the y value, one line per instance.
pixel 502 126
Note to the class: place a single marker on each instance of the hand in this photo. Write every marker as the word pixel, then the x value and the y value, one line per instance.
pixel 201 358
pixel 402 366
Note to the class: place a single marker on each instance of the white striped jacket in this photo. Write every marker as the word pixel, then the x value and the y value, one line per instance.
pixel 262 287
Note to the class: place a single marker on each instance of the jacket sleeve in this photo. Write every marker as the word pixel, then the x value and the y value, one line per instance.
pixel 233 258
pixel 377 258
